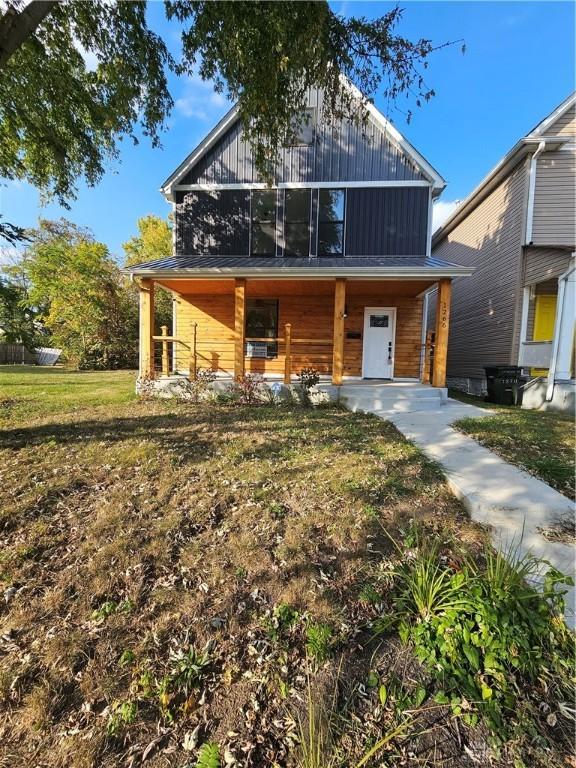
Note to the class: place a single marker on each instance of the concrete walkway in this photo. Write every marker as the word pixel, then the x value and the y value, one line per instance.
pixel 511 501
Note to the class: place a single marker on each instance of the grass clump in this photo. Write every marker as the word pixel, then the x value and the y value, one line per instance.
pixel 498 647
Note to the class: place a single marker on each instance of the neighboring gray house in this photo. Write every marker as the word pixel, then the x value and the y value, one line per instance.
pixel 518 230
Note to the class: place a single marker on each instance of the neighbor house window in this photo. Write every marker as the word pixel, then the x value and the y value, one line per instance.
pixel 261 323
pixel 297 222
pixel 331 222
pixel 263 222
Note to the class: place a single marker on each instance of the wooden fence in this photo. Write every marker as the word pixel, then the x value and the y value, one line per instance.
pixel 16 354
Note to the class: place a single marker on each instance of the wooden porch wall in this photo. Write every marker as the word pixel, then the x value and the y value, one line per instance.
pixel 311 317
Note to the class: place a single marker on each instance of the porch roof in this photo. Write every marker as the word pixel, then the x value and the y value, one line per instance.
pixel 277 267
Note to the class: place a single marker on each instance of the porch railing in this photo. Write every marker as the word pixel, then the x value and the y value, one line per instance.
pixel 169 350
pixel 172 352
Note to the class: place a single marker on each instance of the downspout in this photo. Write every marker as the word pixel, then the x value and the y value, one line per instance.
pixel 532 191
pixel 562 281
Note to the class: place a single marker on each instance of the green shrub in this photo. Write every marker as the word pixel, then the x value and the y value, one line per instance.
pixel 485 634
pixel 319 640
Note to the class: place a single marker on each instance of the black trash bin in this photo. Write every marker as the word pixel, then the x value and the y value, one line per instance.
pixel 504 384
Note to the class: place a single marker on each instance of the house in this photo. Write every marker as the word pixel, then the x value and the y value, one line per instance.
pixel 327 268
pixel 518 230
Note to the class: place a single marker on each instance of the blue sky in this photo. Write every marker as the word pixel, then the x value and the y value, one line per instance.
pixel 518 66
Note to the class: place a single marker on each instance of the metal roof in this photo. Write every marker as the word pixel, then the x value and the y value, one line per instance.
pixel 351 266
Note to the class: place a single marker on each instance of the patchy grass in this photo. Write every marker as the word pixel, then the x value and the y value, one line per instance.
pixel 174 575
pixel 541 442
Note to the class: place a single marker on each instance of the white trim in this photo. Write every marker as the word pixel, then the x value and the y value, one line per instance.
pixel 532 192
pixel 315 273
pixel 562 281
pixel 367 312
pixel 174 333
pixel 553 116
pixel 300 185
pixel 526 295
pixel 208 141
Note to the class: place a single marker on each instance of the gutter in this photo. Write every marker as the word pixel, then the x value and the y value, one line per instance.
pixel 532 191
pixel 562 281
pixel 390 273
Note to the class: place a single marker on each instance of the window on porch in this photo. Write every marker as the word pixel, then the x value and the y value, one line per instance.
pixel 261 323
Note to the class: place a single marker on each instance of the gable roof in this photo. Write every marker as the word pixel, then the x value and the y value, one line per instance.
pixel 232 117
pixel 525 146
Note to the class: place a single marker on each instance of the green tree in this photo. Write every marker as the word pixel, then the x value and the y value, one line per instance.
pixel 61 120
pixel 19 323
pixel 153 241
pixel 88 310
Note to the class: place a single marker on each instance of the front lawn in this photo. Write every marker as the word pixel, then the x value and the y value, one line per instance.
pixel 176 575
pixel 541 442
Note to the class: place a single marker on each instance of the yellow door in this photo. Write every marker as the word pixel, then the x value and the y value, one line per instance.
pixel 544 318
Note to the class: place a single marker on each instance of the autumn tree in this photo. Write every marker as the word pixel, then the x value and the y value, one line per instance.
pixel 87 308
pixel 153 241
pixel 61 120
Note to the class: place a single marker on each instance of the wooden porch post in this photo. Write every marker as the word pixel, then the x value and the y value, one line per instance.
pixel 338 348
pixel 239 325
pixel 442 326
pixel 146 327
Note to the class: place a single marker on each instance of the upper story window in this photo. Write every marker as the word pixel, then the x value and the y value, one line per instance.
pixel 297 204
pixel 304 129
pixel 263 222
pixel 331 222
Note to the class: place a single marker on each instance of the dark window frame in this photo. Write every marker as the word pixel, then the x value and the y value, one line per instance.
pixel 334 222
pixel 269 222
pixel 297 222
pixel 251 304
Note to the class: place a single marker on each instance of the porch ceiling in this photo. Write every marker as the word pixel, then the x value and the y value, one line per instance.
pixel 301 287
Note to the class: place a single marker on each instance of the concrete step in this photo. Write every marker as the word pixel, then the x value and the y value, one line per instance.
pixel 398 393
pixel 391 404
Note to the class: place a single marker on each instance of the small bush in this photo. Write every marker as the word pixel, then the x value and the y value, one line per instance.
pixel 247 389
pixel 319 641
pixel 307 378
pixel 486 634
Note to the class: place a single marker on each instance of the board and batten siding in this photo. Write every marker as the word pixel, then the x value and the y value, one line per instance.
pixel 379 222
pixel 345 151
pixel 554 220
pixel 485 307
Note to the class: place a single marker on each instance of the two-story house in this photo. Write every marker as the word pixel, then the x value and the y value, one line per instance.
pixel 518 230
pixel 327 268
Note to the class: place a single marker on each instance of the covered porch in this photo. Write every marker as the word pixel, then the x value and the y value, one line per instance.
pixel 348 328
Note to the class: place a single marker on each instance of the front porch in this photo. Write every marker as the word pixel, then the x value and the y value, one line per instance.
pixel 347 329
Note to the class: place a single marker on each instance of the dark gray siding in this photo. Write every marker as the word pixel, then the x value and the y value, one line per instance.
pixel 379 222
pixel 343 152
pixel 213 223
pixel 382 221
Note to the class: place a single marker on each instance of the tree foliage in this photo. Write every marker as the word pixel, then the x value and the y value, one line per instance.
pixel 153 241
pixel 18 318
pixel 266 56
pixel 61 120
pixel 87 309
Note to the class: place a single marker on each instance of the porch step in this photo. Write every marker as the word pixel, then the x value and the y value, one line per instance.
pixel 389 398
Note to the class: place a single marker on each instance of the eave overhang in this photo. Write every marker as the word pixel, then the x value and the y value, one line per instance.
pixel 310 273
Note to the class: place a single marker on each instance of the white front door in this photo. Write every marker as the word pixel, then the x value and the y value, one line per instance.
pixel 378 350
